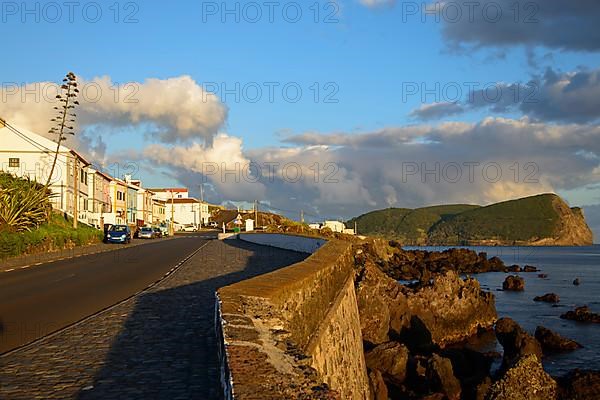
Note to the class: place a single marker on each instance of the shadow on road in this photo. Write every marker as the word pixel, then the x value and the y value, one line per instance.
pixel 167 348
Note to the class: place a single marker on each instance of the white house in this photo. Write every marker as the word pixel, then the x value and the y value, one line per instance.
pixel 335 226
pixel 187 211
pixel 27 154
pixel 170 193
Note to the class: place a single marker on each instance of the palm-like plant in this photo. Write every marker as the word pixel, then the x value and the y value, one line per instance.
pixel 66 117
pixel 24 205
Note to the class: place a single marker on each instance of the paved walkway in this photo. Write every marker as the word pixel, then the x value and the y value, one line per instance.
pixel 158 345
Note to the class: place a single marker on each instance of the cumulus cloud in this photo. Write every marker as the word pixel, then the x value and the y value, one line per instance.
pixel 222 164
pixel 437 110
pixel 341 175
pixel 552 96
pixel 555 24
pixel 169 110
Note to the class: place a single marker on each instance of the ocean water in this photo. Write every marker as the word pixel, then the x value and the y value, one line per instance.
pixel 563 265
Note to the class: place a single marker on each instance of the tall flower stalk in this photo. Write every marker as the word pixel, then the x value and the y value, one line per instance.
pixel 63 122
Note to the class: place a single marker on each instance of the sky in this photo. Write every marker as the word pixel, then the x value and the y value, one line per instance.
pixel 330 107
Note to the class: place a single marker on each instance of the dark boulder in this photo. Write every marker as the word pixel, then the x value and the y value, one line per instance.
pixel 516 342
pixel 441 377
pixel 548 298
pixel 579 385
pixel 582 314
pixel 529 268
pixel 553 342
pixel 471 367
pixel 513 268
pixel 514 283
pixel 390 358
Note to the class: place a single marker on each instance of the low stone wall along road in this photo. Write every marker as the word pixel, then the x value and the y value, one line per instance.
pixel 159 344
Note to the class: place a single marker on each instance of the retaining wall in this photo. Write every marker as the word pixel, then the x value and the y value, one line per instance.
pixel 285 333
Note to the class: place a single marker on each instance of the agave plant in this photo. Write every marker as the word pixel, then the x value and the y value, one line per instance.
pixel 24 205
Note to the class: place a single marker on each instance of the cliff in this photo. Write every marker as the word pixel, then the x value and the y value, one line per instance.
pixel 541 220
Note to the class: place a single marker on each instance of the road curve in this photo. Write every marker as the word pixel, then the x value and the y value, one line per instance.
pixel 40 300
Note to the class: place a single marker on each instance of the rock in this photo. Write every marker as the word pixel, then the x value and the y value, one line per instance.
pixel 377 386
pixel 526 380
pixel 390 359
pixel 482 389
pixel 529 268
pixel 441 376
pixel 582 314
pixel 514 283
pixel 543 276
pixel 548 298
pixel 513 268
pixel 576 282
pixel 552 341
pixel 416 264
pixel 470 367
pixel 450 309
pixel 516 342
pixel 579 385
pixel 381 303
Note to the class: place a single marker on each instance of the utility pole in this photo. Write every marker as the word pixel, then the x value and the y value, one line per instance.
pixel 201 202
pixel 302 216
pixel 256 212
pixel 75 192
pixel 172 226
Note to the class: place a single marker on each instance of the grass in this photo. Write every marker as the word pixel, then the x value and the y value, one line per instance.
pixel 57 234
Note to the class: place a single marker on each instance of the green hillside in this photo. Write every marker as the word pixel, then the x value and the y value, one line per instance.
pixel 541 219
pixel 404 224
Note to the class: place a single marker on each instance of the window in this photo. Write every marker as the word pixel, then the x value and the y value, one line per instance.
pixel 13 162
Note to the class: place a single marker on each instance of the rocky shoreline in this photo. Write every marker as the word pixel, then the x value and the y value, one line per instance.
pixel 412 333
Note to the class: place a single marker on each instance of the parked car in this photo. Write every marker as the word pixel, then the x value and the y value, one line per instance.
pixel 157 232
pixel 146 232
pixel 189 228
pixel 119 234
pixel 213 224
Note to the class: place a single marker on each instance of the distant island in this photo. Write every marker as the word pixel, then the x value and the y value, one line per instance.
pixel 541 220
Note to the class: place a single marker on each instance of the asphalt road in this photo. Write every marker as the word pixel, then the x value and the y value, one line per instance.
pixel 40 300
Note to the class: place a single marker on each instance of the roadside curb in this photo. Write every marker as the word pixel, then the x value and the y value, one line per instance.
pixel 82 321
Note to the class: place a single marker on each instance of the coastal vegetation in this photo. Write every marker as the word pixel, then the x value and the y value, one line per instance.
pixel 537 220
pixel 28 225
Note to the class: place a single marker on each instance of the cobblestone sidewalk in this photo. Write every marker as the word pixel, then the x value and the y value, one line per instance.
pixel 158 345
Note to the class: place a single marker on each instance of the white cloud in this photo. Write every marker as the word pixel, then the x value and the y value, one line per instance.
pixel 169 110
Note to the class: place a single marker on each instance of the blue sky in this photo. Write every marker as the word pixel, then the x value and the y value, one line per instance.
pixel 363 60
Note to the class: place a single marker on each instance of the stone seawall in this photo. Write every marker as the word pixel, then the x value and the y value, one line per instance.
pixel 286 333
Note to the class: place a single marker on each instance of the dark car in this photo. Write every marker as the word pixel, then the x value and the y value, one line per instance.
pixel 157 232
pixel 119 234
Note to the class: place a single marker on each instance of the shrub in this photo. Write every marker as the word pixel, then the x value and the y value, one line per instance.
pixel 24 204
